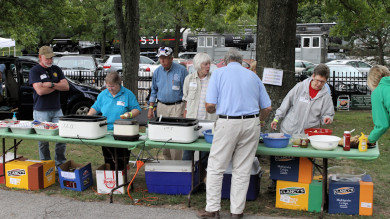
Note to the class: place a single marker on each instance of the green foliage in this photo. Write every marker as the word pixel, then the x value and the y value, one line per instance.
pixel 367 21
pixel 312 12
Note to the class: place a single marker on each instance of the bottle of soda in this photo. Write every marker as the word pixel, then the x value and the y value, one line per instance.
pixel 347 141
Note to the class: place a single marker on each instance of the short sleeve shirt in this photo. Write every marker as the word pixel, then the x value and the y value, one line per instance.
pixel 112 107
pixel 53 74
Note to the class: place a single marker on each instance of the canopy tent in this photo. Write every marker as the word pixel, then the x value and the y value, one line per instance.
pixel 4 42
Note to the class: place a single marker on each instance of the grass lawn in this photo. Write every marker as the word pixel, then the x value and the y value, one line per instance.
pixel 265 203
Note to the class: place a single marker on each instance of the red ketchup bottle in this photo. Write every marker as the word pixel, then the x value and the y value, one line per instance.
pixel 347 141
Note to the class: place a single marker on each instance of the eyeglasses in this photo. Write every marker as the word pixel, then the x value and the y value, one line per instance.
pixel 319 81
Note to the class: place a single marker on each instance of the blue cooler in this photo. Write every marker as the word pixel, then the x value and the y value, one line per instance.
pixel 172 177
pixel 254 183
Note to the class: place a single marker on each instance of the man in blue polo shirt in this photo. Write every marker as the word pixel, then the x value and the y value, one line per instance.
pixel 237 95
pixel 48 80
pixel 167 88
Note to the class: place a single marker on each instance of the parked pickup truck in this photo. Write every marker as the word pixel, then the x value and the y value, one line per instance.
pixel 17 93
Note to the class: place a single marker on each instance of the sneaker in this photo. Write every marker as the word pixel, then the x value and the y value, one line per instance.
pixel 207 214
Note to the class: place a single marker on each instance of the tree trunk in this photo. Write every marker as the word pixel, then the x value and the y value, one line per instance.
pixel 380 50
pixel 128 30
pixel 104 38
pixel 177 41
pixel 276 29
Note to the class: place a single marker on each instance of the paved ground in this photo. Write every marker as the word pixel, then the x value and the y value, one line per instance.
pixel 15 204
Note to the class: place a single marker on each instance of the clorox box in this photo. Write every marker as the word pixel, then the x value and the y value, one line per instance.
pixel 74 176
pixel 171 177
pixel 30 174
pixel 294 169
pixel 8 157
pixel 351 197
pixel 299 196
pixel 41 174
pixel 17 174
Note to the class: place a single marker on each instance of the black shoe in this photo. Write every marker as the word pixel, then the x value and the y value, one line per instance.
pixel 236 215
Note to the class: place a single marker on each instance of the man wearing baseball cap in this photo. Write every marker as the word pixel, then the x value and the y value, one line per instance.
pixel 48 80
pixel 167 89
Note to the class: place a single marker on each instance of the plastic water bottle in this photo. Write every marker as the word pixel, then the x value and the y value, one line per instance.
pixel 14 117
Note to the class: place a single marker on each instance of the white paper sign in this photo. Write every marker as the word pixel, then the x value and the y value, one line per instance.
pixel 272 76
pixel 68 175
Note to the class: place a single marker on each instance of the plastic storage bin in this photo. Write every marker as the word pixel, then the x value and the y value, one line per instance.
pixel 22 128
pixel 254 183
pixel 172 177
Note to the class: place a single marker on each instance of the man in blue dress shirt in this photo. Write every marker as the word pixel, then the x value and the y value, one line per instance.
pixel 237 95
pixel 167 88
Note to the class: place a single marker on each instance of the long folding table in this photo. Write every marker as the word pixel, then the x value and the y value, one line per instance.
pixel 338 153
pixel 108 141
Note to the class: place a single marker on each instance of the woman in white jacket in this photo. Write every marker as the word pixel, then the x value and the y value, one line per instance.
pixel 306 105
pixel 194 93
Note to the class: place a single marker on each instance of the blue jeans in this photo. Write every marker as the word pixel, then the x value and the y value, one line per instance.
pixel 44 150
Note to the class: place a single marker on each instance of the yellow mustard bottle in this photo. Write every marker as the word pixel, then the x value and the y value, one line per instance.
pixel 363 143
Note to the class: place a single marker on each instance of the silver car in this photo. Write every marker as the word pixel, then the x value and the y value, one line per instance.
pixel 82 68
pixel 114 63
pixel 359 65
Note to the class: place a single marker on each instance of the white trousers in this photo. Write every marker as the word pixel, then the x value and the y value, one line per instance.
pixel 236 140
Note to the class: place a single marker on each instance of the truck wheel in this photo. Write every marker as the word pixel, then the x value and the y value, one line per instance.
pixel 81 108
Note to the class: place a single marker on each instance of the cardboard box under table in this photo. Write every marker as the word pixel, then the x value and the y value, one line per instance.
pixel 299 196
pixel 74 176
pixel 295 169
pixel 106 180
pixel 351 197
pixel 8 157
pixel 30 174
pixel 254 181
pixel 171 177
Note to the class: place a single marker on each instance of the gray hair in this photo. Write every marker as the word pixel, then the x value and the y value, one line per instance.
pixel 199 59
pixel 113 78
pixel 233 55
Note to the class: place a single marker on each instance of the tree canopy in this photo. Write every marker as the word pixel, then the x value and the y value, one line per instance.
pixel 363 21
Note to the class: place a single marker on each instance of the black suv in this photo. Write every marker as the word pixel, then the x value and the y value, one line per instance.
pixel 17 95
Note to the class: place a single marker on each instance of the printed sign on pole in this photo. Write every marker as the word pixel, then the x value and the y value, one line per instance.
pixel 272 76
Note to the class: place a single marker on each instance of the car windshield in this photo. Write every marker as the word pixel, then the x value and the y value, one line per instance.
pixel 117 59
pixel 81 63
pixel 146 60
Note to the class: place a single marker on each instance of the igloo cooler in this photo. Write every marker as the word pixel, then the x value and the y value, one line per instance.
pixel 84 127
pixel 173 129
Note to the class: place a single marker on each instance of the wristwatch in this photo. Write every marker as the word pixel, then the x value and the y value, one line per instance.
pixel 52 85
